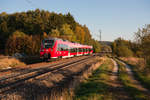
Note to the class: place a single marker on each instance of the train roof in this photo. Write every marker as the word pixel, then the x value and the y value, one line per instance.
pixel 72 44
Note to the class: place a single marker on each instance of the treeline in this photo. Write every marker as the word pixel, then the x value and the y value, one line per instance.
pixel 22 32
pixel 140 47
pixel 122 48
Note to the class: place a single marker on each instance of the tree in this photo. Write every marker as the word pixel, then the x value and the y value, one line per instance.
pixel 55 33
pixel 80 34
pixel 67 33
pixel 18 43
pixel 124 51
pixel 143 40
pixel 70 20
pixel 87 36
pixel 122 48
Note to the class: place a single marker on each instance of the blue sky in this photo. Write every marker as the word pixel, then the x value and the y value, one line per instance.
pixel 115 18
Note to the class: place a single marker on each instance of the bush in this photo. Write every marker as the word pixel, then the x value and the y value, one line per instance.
pixel 19 42
pixel 123 51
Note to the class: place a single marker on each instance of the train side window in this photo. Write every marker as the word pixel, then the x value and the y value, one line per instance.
pixel 72 50
pixel 76 50
pixel 80 49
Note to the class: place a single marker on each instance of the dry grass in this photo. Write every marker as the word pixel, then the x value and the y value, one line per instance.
pixel 6 63
pixel 131 86
pixel 140 69
pixel 132 60
pixel 139 62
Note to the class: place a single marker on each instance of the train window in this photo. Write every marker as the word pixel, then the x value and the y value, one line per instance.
pixel 73 50
pixel 77 50
pixel 48 43
pixel 62 49
pixel 80 50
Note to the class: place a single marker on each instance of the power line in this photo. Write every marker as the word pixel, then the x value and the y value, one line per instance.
pixel 31 3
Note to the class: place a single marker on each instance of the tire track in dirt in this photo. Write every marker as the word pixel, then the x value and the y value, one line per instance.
pixel 115 71
pixel 117 87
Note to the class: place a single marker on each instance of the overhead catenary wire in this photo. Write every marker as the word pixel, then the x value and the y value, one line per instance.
pixel 32 4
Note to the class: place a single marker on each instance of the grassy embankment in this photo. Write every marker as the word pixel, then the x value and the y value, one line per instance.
pixel 141 71
pixel 96 87
pixel 129 85
pixel 6 63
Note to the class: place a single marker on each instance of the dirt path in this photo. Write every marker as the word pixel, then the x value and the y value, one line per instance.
pixel 114 76
pixel 115 71
pixel 117 87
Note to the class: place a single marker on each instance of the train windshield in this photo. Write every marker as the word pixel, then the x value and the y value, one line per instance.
pixel 48 43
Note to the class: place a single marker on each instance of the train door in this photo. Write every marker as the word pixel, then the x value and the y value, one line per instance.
pixel 69 51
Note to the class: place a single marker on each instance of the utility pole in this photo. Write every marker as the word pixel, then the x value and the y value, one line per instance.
pixel 100 33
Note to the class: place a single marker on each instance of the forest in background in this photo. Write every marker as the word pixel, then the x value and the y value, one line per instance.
pixel 23 32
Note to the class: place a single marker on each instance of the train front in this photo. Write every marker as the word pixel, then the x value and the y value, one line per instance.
pixel 47 47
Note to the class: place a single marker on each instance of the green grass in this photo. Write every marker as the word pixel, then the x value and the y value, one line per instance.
pixel 129 86
pixel 96 87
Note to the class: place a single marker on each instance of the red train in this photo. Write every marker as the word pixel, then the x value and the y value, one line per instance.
pixel 58 48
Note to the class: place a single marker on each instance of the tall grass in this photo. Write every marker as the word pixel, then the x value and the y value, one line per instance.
pixel 140 69
pixel 129 86
pixel 9 63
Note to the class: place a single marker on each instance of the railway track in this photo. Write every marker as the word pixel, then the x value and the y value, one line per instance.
pixel 13 72
pixel 9 83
